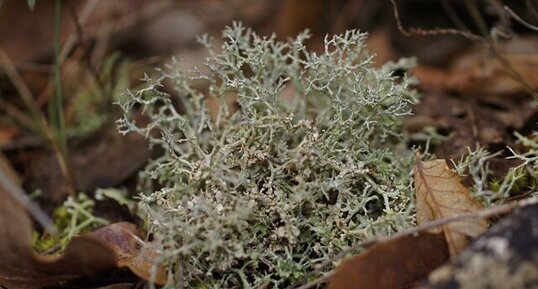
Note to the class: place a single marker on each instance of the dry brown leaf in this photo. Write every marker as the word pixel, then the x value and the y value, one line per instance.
pixel 112 246
pixel 493 76
pixel 393 264
pixel 20 267
pixel 440 194
pixel 482 76
pixel 125 240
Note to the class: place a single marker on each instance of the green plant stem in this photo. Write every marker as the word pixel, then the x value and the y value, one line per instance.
pixel 56 106
pixel 57 136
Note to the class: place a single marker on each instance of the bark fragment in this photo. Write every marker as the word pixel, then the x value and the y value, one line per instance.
pixel 505 257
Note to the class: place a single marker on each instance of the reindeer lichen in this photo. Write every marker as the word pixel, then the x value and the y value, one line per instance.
pixel 307 161
pixel 520 180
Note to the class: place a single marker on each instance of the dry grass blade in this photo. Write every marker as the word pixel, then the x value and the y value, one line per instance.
pixel 9 186
pixel 440 194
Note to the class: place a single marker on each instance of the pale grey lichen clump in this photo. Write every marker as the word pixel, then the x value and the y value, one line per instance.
pixel 307 162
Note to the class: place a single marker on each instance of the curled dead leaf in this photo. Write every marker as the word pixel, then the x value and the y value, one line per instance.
pixel 116 245
pixel 21 267
pixel 125 239
pixel 393 264
pixel 440 194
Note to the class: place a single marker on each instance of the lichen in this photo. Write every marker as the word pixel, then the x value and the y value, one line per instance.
pixel 73 218
pixel 309 160
pixel 519 180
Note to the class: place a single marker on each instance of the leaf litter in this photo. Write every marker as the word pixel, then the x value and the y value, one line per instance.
pixel 116 245
pixel 440 194
pixel 401 263
pixel 462 83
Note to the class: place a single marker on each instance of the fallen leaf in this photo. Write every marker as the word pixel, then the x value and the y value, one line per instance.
pixel 116 245
pixel 20 267
pixel 125 239
pixel 440 194
pixel 493 75
pixel 393 264
pixel 476 72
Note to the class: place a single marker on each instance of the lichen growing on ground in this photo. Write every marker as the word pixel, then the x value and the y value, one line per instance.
pixel 519 180
pixel 309 160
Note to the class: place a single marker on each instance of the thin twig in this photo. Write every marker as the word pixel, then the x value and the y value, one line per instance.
pixel 114 26
pixel 503 26
pixel 482 214
pixel 519 19
pixel 512 71
pixel 83 42
pixel 479 20
pixel 483 39
pixel 7 185
pixel 84 16
pixel 56 115
pixel 32 67
pixel 431 32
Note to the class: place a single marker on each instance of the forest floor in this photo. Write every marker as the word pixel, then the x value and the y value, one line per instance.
pixel 63 65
